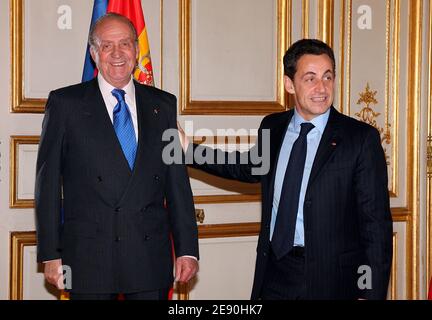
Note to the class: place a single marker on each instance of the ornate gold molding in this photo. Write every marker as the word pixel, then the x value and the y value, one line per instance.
pixel 229 230
pixel 223 139
pixel 227 198
pixel 18 240
pixel 367 114
pixel 429 158
pixel 305 18
pixel 342 46
pixel 20 103
pixel 161 30
pixel 326 21
pixel 200 215
pixel 392 78
pixel 15 142
pixel 21 239
pixel 182 289
pixel 395 88
pixel 401 214
pixel 348 57
pixel 189 106
pixel 413 116
pixel 393 275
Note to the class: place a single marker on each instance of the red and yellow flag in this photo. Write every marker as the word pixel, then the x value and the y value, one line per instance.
pixel 133 11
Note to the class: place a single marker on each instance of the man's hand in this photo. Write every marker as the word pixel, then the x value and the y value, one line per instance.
pixel 185 269
pixel 183 138
pixel 53 273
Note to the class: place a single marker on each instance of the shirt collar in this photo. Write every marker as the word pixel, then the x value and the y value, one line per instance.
pixel 319 122
pixel 106 88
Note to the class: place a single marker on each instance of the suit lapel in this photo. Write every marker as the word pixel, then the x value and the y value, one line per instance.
pixel 148 120
pixel 328 144
pixel 149 134
pixel 95 111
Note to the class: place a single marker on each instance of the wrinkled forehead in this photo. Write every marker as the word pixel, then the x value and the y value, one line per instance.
pixel 114 29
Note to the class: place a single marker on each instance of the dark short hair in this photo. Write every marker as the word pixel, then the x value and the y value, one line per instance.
pixel 302 47
pixel 110 16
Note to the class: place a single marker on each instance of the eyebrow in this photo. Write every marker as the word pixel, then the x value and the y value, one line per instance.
pixel 123 39
pixel 314 74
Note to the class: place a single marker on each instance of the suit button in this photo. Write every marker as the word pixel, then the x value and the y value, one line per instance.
pixel 265 254
pixel 146 237
pixel 267 226
pixel 156 177
pixel 144 209
pixel 117 239
pixel 99 179
pixel 118 209
pixel 307 203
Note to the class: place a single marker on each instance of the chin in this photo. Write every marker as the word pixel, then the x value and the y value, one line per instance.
pixel 319 111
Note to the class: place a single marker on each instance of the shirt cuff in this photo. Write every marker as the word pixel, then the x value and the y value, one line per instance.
pixel 195 258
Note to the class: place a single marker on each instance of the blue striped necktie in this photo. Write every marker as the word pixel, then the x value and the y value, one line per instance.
pixel 123 127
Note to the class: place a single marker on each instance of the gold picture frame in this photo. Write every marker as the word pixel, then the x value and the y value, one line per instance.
pixel 193 107
pixel 254 196
pixel 15 142
pixel 19 102
pixel 18 240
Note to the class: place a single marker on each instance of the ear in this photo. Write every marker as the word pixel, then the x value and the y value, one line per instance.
pixel 93 53
pixel 289 85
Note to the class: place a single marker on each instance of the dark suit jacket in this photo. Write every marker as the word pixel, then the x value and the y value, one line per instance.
pixel 347 218
pixel 117 229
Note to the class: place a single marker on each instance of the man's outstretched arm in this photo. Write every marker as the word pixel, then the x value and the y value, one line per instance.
pixel 242 166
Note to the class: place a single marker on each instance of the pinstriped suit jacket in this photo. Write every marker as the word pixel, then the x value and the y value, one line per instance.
pixel 116 235
pixel 347 218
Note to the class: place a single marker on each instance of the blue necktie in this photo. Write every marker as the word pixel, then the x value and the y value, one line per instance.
pixel 283 235
pixel 123 127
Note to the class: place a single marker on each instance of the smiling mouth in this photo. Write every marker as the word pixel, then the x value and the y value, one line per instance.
pixel 118 64
pixel 319 99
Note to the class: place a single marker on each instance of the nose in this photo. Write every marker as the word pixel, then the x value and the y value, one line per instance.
pixel 320 87
pixel 116 51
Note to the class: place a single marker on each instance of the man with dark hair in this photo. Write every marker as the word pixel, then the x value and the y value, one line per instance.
pixel 326 227
pixel 101 147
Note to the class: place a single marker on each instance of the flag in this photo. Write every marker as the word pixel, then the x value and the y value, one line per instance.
pixel 90 71
pixel 133 11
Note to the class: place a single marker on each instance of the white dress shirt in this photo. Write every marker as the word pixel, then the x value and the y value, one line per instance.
pixel 313 140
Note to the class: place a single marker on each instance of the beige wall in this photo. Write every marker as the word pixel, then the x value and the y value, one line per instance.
pixel 226 73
